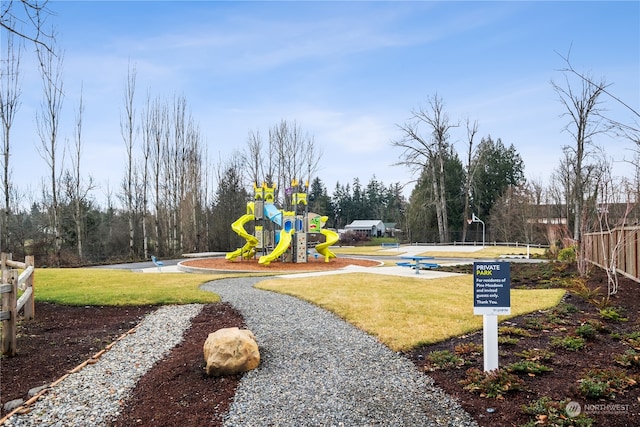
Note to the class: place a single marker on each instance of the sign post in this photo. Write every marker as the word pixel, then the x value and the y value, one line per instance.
pixel 491 297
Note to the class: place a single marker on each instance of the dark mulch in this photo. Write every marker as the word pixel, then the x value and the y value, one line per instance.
pixel 568 366
pixel 176 391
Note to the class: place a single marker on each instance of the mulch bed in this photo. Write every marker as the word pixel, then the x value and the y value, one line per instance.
pixel 176 391
pixel 313 264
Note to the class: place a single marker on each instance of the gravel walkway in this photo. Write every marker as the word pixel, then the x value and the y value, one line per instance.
pixel 92 396
pixel 318 370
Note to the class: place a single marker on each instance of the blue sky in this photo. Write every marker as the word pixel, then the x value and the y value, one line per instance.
pixel 346 72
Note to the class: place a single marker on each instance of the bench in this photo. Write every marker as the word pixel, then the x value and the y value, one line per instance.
pixel 390 245
pixel 417 263
pixel 157 262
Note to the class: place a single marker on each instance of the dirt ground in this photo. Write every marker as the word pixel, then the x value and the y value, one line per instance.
pixel 176 391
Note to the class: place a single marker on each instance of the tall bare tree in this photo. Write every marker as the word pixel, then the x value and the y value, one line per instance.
pixel 80 189
pixel 472 130
pixel 47 125
pixel 31 12
pixel 9 104
pixel 582 106
pixel 127 130
pixel 420 152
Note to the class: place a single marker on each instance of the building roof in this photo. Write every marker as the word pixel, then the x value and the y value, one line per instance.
pixel 365 224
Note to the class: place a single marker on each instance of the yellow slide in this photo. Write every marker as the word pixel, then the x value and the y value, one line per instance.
pixel 281 247
pixel 323 248
pixel 248 249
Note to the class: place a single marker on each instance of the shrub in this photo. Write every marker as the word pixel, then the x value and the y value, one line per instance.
pixel 512 330
pixel 508 340
pixel 444 359
pixel 604 383
pixel 468 348
pixel 629 358
pixel 613 314
pixel 564 309
pixel 535 354
pixel 570 343
pixel 554 413
pixel 535 324
pixel 567 254
pixel 528 367
pixel 495 383
pixel 586 331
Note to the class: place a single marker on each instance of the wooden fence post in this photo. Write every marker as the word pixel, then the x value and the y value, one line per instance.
pixel 9 310
pixel 29 306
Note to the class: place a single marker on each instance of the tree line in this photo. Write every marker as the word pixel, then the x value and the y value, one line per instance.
pixel 174 198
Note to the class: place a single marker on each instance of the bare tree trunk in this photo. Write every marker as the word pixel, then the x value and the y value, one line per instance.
pixel 9 103
pixel 47 123
pixel 127 129
pixel 472 129
pixel 584 112
pixel 78 180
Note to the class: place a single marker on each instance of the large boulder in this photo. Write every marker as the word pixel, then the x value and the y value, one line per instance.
pixel 229 351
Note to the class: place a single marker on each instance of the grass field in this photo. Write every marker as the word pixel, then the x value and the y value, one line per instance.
pixel 405 312
pixel 91 286
pixel 487 252
pixel 402 312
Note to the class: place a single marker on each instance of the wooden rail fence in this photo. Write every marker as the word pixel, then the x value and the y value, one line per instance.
pixel 11 305
pixel 623 243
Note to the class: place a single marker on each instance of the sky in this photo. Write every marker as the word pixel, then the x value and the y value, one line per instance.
pixel 348 73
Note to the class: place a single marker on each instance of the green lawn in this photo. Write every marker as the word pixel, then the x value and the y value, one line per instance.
pixel 405 312
pixel 92 286
pixel 487 252
pixel 401 312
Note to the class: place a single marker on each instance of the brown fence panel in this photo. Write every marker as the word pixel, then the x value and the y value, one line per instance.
pixel 599 247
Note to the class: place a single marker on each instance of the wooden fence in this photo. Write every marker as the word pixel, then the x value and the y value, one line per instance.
pixel 11 304
pixel 623 243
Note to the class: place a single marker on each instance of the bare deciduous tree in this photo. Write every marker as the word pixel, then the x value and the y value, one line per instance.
pixel 583 109
pixel 31 12
pixel 80 190
pixel 9 104
pixel 420 152
pixel 472 130
pixel 127 130
pixel 47 125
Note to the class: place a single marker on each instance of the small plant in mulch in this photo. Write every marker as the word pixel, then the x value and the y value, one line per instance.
pixel 580 288
pixel 570 343
pixel 629 358
pixel 508 340
pixel 444 359
pixel 613 314
pixel 494 383
pixel 564 309
pixel 586 331
pixel 512 330
pixel 528 367
pixel 604 383
pixel 632 338
pixel 468 348
pixel 535 323
pixel 536 354
pixel 549 412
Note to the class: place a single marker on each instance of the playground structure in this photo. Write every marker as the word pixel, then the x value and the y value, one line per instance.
pixel 290 234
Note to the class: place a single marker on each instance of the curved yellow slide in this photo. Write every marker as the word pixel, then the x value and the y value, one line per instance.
pixel 248 249
pixel 281 247
pixel 323 248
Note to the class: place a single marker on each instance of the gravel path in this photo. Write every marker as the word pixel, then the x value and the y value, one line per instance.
pixel 92 396
pixel 318 370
